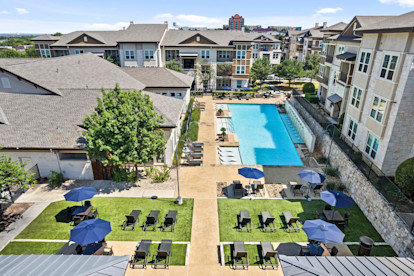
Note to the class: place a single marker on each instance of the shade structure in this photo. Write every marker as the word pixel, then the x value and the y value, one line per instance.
pixel 251 173
pixel 337 199
pixel 322 231
pixel 80 194
pixel 90 231
pixel 311 176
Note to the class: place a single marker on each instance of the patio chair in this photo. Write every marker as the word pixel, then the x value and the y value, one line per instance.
pixel 170 220
pixel 341 226
pixel 142 253
pixel 152 220
pixel 87 203
pixel 131 219
pixel 193 148
pixel 296 189
pixel 238 189
pixel 328 207
pixel 196 155
pixel 346 217
pixel 292 223
pixel 245 221
pixel 267 221
pixel 240 255
pixel 77 219
pixel 317 189
pixel 334 251
pixel 268 252
pixel 196 144
pixel 79 249
pixel 163 254
pixel 194 162
pixel 93 214
pixel 258 187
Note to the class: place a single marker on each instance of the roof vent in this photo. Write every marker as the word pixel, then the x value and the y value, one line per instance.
pixel 325 24
pixel 123 28
pixel 57 70
pixel 316 25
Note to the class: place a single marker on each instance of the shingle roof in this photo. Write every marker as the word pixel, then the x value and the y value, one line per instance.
pixel 218 37
pixel 370 20
pixel 143 33
pixel 64 265
pixel 398 23
pixel 164 77
pixel 338 27
pixel 46 37
pixel 107 38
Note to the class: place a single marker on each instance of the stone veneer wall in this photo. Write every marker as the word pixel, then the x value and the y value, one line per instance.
pixel 370 201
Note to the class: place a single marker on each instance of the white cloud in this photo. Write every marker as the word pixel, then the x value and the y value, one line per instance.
pixel 164 16
pixel 21 11
pixel 4 12
pixel 404 3
pixel 103 26
pixel 199 19
pixel 328 10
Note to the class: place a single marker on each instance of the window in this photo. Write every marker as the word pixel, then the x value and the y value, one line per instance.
pixel 205 54
pixel 240 70
pixel 352 129
pixel 364 62
pixel 171 54
pixel 236 25
pixel 241 54
pixel 164 93
pixel 388 67
pixel 129 54
pixel 372 146
pixel 256 46
pixel 72 156
pixel 356 97
pixel 179 94
pixel 254 55
pixel 198 38
pixel 239 84
pixel 265 47
pixel 378 108
pixel 85 39
pixel 275 55
pixel 320 43
pixel 149 54
pixel 341 49
pixel 5 82
pixel 45 53
pixel 77 52
pixel 172 94
pixel 276 47
pixel 321 67
pixel 324 49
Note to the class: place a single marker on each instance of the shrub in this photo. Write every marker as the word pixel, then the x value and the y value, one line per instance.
pixel 331 171
pixel 158 175
pixel 120 175
pixel 309 88
pixel 357 157
pixel 195 115
pixel 330 185
pixel 56 179
pixel 193 131
pixel 312 98
pixel 341 187
pixel 404 177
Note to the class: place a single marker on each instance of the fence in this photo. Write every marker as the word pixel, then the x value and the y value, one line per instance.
pixel 402 205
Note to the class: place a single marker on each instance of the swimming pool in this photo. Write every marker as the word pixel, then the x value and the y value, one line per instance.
pixel 263 138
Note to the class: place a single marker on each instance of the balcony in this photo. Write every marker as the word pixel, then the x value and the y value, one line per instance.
pixel 329 58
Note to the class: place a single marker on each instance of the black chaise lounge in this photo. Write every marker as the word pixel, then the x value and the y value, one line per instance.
pixel 316 189
pixel 292 222
pixel 142 253
pixel 170 220
pixel 152 220
pixel 245 221
pixel 240 255
pixel 163 254
pixel 268 222
pixel 131 219
pixel 238 188
pixel 297 189
pixel 269 255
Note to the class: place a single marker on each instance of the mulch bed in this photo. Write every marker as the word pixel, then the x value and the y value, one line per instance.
pixel 13 213
pixel 275 190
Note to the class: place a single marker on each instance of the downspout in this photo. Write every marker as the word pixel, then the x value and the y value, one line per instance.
pixel 57 159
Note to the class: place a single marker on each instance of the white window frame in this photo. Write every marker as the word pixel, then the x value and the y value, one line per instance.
pixel 352 129
pixel 356 97
pixel 364 61
pixel 388 69
pixel 375 110
pixel 321 69
pixel 370 149
pixel 275 55
pixel 149 54
pixel 129 54
pixel 341 49
pixel 240 70
pixel 256 46
pixel 85 38
pixel 78 51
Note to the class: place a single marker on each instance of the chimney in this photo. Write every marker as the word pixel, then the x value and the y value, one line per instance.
pixel 325 24
pixel 123 28
pixel 166 22
pixel 131 22
pixel 316 25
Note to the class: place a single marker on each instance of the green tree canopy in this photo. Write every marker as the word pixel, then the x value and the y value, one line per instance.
pixel 174 65
pixel 30 52
pixel 311 66
pixel 224 69
pixel 13 174
pixel 289 70
pixel 10 53
pixel 261 68
pixel 57 34
pixel 124 128
pixel 404 177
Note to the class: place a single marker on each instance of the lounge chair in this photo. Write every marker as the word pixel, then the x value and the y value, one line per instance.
pixel 93 214
pixel 87 203
pixel 296 189
pixel 196 155
pixel 77 219
pixel 170 220
pixel 195 144
pixel 268 252
pixel 194 162
pixel 245 221
pixel 131 219
pixel 195 149
pixel 268 222
pixel 152 220
pixel 142 253
pixel 163 254
pixel 292 222
pixel 240 255
pixel 258 188
pixel 238 189
pixel 317 189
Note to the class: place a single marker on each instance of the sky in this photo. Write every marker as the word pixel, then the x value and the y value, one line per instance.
pixel 50 16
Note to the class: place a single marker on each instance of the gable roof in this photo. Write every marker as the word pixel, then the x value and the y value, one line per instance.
pixel 64 265
pixel 143 33
pixel 45 37
pixel 348 34
pixel 164 77
pixel 108 38
pixel 338 27
pixel 401 23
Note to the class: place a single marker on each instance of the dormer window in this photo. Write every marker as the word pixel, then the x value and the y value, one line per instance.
pixel 198 38
pixel 85 38
pixel 5 83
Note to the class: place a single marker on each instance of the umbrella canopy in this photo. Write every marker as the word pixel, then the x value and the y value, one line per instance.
pixel 226 88
pixel 90 231
pixel 311 176
pixel 337 199
pixel 251 173
pixel 322 231
pixel 80 194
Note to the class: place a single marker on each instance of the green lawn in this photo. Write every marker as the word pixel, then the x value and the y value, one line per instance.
pixel 305 210
pixel 52 223
pixel 29 248
pixel 378 251
pixel 252 249
pixel 178 252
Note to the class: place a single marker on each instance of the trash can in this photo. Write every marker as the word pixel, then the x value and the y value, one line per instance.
pixel 365 246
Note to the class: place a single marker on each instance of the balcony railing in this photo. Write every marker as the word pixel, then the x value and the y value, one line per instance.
pixel 344 78
pixel 329 58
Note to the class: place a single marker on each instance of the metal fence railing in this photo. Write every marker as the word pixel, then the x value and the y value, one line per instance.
pixel 403 206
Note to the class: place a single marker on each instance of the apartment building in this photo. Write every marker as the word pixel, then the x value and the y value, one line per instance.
pixel 312 42
pixel 236 23
pixel 229 54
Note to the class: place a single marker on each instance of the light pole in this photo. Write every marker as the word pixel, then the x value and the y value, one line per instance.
pixel 179 200
pixel 330 147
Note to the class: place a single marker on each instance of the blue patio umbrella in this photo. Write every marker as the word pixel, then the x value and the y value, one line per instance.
pixel 322 231
pixel 311 176
pixel 337 199
pixel 251 173
pixel 90 231
pixel 80 194
pixel 226 88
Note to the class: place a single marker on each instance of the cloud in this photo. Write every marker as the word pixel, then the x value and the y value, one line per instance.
pixel 199 19
pixel 21 11
pixel 404 3
pixel 4 12
pixel 103 26
pixel 164 16
pixel 329 10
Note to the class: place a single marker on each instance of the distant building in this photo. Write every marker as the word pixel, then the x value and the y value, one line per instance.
pixel 236 22
pixel 5 47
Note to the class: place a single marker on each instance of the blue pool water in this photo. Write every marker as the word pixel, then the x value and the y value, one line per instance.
pixel 262 136
pixel 293 133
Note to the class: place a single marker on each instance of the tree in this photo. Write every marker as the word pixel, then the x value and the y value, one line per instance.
pixel 224 69
pixel 205 72
pixel 289 70
pixel 311 66
pixel 261 68
pixel 10 53
pixel 30 52
pixel 57 34
pixel 174 65
pixel 404 177
pixel 124 128
pixel 13 174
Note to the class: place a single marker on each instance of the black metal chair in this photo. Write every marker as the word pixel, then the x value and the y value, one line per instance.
pixel 334 251
pixel 245 221
pixel 77 220
pixel 317 189
pixel 267 221
pixel 292 223
pixel 268 253
pixel 238 189
pixel 142 253
pixel 240 255
pixel 170 220
pixel 88 203
pixel 131 219
pixel 163 254
pixel 93 214
pixel 152 220
pixel 297 189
